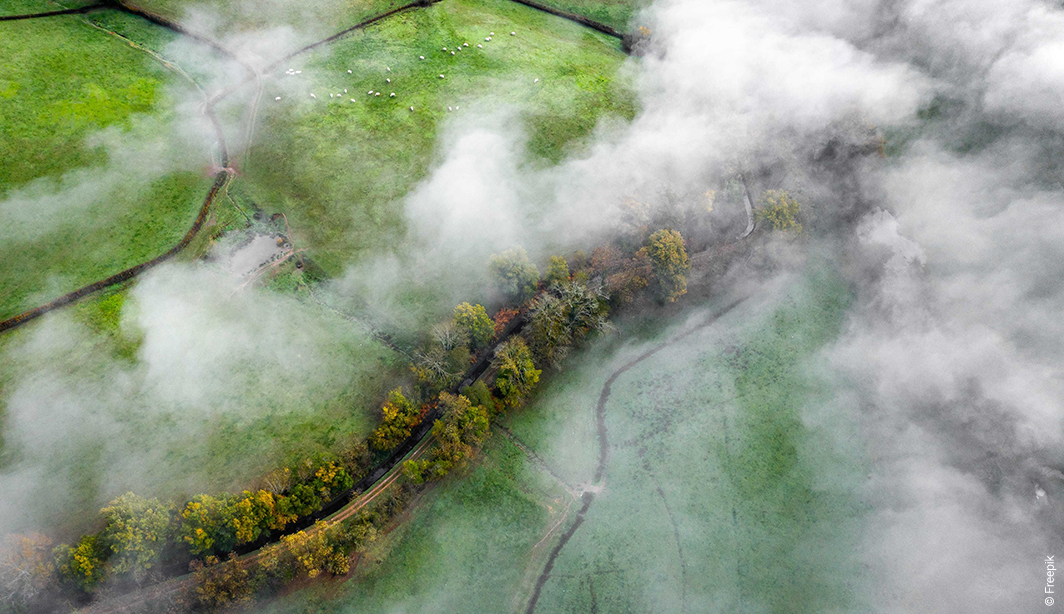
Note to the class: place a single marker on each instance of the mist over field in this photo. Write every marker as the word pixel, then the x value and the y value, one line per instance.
pixel 938 415
pixel 949 359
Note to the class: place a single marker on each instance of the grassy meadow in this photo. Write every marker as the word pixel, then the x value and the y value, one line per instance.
pixel 617 14
pixel 101 173
pixel 93 178
pixel 717 486
pixel 339 169
pixel 229 17
pixel 119 423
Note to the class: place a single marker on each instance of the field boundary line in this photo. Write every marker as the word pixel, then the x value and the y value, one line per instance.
pixel 220 179
pixel 81 10
pixel 580 19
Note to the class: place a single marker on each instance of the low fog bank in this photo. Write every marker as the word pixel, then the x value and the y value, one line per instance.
pixel 952 241
pixel 83 422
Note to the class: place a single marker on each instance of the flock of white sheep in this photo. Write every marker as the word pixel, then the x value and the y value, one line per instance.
pixel 291 72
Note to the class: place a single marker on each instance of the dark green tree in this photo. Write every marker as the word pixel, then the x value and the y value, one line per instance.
pixel 516 374
pixel 461 428
pixel 398 418
pixel 136 532
pixel 557 271
pixel 473 320
pixel 669 263
pixel 207 525
pixel 83 564
pixel 515 276
pixel 562 318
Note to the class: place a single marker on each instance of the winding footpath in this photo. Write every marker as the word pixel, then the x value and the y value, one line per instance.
pixel 588 497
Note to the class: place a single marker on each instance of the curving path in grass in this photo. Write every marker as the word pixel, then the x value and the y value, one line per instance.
pixel 588 496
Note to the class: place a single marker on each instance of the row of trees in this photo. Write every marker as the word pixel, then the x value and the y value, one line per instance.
pixel 560 310
pixel 139 531
pixel 459 432
pixel 322 549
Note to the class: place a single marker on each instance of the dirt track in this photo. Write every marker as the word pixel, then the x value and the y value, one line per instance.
pixel 604 447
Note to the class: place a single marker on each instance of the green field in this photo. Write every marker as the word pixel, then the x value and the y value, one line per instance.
pixel 216 421
pixel 717 485
pixel 228 18
pixel 617 14
pixel 94 177
pixel 348 164
pixel 101 174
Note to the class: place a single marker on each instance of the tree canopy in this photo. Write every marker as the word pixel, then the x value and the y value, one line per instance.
pixel 781 210
pixel 557 271
pixel 136 532
pixel 399 417
pixel 515 276
pixel 562 318
pixel 669 263
pixel 473 320
pixel 516 373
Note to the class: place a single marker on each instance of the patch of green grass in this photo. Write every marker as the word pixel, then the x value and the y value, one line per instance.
pixel 614 13
pixel 464 547
pixel 62 81
pixel 323 17
pixel 126 225
pixel 339 168
pixel 26 7
pixel 716 486
pixel 72 214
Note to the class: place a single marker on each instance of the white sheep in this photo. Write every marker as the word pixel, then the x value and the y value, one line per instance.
pixel 351 99
pixel 441 76
pixel 449 109
pixel 278 98
pixel 452 53
pixel 313 96
pixel 479 46
pixel 388 69
pixel 411 108
pixel 513 33
pixel 491 34
pixel 445 48
pixel 371 92
pixel 345 90
pixel 388 80
pixel 392 95
pixel 376 93
pixel 421 57
pixel 348 71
